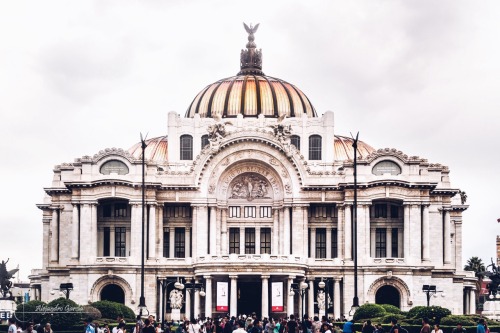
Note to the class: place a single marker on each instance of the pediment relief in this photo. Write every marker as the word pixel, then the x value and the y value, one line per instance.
pixel 250 186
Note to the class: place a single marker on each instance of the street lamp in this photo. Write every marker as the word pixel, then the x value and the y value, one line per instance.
pixel 164 283
pixel 324 284
pixel 355 300
pixel 142 300
pixel 191 287
pixel 301 289
pixel 430 290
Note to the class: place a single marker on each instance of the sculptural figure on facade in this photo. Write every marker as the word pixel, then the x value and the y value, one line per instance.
pixel 494 276
pixel 217 131
pixel 5 276
pixel 282 132
pixel 249 187
pixel 176 298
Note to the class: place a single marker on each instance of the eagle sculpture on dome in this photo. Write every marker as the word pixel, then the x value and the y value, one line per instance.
pixel 251 30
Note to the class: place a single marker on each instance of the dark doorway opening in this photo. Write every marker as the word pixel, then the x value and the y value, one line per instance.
pixel 249 297
pixel 113 293
pixel 388 295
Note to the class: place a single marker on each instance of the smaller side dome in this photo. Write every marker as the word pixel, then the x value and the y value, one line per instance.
pixel 344 150
pixel 156 150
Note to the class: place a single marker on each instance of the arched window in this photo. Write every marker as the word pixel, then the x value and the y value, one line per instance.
pixel 115 167
pixel 186 147
pixel 314 147
pixel 204 141
pixel 295 140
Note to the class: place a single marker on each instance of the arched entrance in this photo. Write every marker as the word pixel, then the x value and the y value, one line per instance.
pixel 113 293
pixel 388 295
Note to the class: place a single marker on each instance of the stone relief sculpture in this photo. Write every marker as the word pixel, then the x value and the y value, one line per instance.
pixel 282 132
pixel 218 130
pixel 176 298
pixel 249 187
pixel 320 298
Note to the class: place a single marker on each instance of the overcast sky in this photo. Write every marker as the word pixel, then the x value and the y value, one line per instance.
pixel 78 77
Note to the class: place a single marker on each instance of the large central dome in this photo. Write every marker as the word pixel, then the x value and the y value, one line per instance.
pixel 251 93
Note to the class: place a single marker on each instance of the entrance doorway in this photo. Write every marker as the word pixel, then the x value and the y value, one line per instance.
pixel 249 297
pixel 388 295
pixel 113 293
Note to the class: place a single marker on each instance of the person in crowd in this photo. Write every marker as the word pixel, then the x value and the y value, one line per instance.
pixel 121 328
pixel 426 328
pixel 88 325
pixel 306 324
pixel 239 327
pixel 394 326
pixel 148 326
pixel 348 326
pixel 459 329
pixel 119 319
pixel 12 326
pixel 47 328
pixel 257 326
pixel 368 327
pixel 30 328
pixel 326 328
pixel 480 326
pixel 437 329
pixel 316 325
pixel 291 326
pixel 379 328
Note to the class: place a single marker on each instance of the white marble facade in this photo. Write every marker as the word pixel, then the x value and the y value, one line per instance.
pixel 248 208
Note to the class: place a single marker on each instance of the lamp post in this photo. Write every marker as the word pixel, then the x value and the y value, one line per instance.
pixel 325 284
pixel 142 300
pixel 430 290
pixel 191 287
pixel 355 300
pixel 66 288
pixel 301 289
pixel 164 283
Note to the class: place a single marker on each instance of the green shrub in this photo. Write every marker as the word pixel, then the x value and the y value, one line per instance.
pixel 453 320
pixel 91 312
pixel 63 313
pixel 388 317
pixel 31 311
pixel 434 313
pixel 367 311
pixel 391 308
pixel 111 310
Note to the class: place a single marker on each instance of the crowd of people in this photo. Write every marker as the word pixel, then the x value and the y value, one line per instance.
pixel 244 324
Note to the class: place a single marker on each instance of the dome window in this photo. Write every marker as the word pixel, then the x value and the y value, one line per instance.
pixel 386 167
pixel 295 140
pixel 315 148
pixel 114 167
pixel 204 141
pixel 186 147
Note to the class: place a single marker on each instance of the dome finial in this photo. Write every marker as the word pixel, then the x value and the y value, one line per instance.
pixel 251 59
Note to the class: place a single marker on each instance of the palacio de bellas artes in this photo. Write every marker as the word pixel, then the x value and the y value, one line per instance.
pixel 252 202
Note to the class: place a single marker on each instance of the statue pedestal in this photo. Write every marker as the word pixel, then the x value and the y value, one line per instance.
pixel 491 309
pixel 176 314
pixel 321 313
pixel 7 305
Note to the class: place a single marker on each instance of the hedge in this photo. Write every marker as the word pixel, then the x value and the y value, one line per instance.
pixel 111 310
pixel 367 311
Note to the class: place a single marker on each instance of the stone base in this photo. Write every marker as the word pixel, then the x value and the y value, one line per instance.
pixel 321 314
pixel 491 310
pixel 175 315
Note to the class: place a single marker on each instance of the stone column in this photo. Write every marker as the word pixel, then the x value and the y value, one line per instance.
pixel 242 240
pixel 93 222
pixel 135 232
pixel 336 297
pixel 194 230
pixel 75 225
pixel 275 243
pixel 312 244
pixel 426 257
pixel 213 232
pixel 286 230
pixel 84 233
pixel 298 232
pixel 340 232
pixel 257 240
pixel 224 241
pixel 202 232
pixel 305 230
pixel 187 241
pixel 54 239
pixel 310 298
pixel 329 242
pixel 466 292
pixel 289 303
pixel 406 234
pixel 348 233
pixel 187 303
pixel 265 296
pixel 472 299
pixel 159 230
pixel 416 233
pixel 233 303
pixel 171 242
pixel 152 231
pixel 196 303
pixel 112 242
pixel 208 296
pixel 447 238
pixel 373 242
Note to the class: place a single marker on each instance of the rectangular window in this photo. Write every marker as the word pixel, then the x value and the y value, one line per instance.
pixel 321 243
pixel 265 240
pixel 335 247
pixel 177 211
pixel 394 211
pixel 106 240
pixel 266 211
pixel 120 242
pixel 106 211
pixel 380 211
pixel 166 242
pixel 380 243
pixel 180 243
pixel 234 211
pixel 186 147
pixel 249 240
pixel 234 240
pixel 249 211
pixel 295 140
pixel 121 210
pixel 394 243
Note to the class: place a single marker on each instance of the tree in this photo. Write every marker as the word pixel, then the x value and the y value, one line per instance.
pixel 476 265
